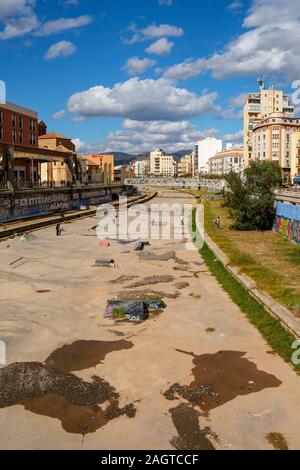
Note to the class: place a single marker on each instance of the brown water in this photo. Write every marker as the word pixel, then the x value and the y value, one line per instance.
pixel 82 355
pixel 190 436
pixel 220 378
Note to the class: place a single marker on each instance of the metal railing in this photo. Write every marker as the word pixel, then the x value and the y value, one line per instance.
pixel 23 185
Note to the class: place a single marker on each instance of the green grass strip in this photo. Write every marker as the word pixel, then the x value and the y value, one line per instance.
pixel 277 337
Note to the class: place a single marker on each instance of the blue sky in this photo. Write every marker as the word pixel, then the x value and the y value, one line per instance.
pixel 133 75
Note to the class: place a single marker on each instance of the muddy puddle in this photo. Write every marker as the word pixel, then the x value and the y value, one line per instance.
pixel 190 436
pixel 53 393
pixel 220 378
pixel 82 355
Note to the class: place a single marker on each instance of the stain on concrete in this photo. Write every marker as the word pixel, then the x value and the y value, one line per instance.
pixel 151 280
pixel 82 355
pixel 123 279
pixel 50 392
pixel 181 285
pixel 190 436
pixel 277 440
pixel 220 378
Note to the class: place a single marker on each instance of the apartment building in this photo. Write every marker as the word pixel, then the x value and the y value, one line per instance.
pixel 226 161
pixel 272 139
pixel 162 164
pixel 18 125
pixel 140 168
pixel 259 106
pixel 205 149
pixel 186 165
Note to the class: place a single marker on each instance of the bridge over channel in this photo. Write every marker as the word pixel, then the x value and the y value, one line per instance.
pixel 212 185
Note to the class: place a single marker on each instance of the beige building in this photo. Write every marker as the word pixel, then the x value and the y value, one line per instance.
pixel 260 105
pixel 226 161
pixel 186 165
pixel 106 165
pixel 271 140
pixel 58 171
pixel 162 164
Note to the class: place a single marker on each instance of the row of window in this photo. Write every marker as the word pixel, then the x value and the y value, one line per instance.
pixel 18 136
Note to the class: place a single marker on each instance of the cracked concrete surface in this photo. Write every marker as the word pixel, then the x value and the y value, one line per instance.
pixel 55 297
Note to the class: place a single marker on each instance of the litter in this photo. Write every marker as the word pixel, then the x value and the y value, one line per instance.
pixel 141 245
pixel 104 244
pixel 134 311
pixel 105 263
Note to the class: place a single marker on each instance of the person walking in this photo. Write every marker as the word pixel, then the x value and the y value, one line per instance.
pixel 58 230
pixel 218 222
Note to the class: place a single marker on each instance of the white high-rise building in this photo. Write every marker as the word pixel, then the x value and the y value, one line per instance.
pixel 206 149
pixel 162 164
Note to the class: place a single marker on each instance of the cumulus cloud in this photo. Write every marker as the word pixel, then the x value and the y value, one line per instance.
pixel 236 137
pixel 10 8
pixel 136 66
pixel 19 18
pixel 269 46
pixel 139 136
pixel 236 5
pixel 160 47
pixel 142 100
pixel 60 49
pixel 152 31
pixel 59 114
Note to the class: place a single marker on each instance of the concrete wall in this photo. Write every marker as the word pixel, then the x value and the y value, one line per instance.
pixel 25 204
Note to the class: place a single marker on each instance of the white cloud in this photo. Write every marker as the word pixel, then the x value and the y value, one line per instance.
pixel 10 8
pixel 153 31
pixel 138 137
pixel 236 137
pixel 60 49
pixel 63 24
pixel 142 100
pixel 160 47
pixel 136 66
pixel 18 19
pixel 270 46
pixel 17 27
pixel 59 114
pixel 165 2
pixel 236 5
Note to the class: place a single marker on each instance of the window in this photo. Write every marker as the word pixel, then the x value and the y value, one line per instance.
pixel 21 122
pixel 32 125
pixel 32 139
pixel 1 117
pixel 14 120
pixel 1 132
pixel 21 137
pixel 14 135
pixel 275 145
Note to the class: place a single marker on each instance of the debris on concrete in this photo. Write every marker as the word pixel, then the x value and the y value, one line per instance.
pixel 123 279
pixel 277 440
pixel 146 294
pixel 105 263
pixel 104 244
pixel 150 256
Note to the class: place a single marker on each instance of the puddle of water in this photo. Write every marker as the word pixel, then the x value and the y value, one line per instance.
pixel 63 396
pixel 82 355
pixel 190 436
pixel 220 378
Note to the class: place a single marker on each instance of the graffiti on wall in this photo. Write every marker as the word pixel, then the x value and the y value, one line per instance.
pixel 288 228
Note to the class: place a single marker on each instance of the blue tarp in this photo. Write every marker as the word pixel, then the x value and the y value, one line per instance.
pixel 288 211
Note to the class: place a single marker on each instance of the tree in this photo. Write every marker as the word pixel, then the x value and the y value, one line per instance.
pixel 251 198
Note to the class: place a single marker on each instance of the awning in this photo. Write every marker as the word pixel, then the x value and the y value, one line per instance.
pixel 297 180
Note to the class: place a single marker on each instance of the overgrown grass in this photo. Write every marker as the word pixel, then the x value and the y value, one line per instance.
pixel 268 259
pixel 277 337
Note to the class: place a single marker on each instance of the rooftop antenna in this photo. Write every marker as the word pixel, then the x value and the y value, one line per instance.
pixel 261 83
